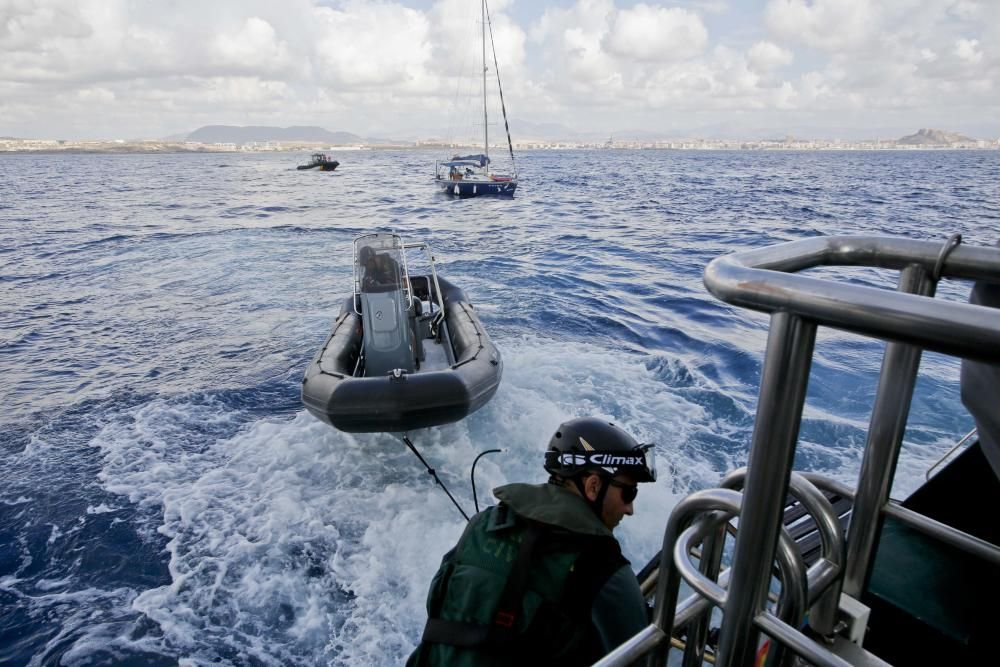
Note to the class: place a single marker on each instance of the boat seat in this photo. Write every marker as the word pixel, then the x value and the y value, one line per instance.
pixel 387 335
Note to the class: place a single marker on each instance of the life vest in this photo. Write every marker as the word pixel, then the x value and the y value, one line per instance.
pixel 516 590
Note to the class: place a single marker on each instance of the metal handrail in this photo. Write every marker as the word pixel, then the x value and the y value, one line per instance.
pixel 823 576
pixel 966 438
pixel 683 530
pixel 759 279
pixel 911 321
pixel 951 536
pixel 397 243
pixel 437 286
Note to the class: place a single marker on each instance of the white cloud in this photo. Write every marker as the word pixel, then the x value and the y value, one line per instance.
pixel 368 45
pixel 968 50
pixel 254 45
pixel 390 66
pixel 823 24
pixel 648 33
pixel 966 9
pixel 711 6
pixel 768 56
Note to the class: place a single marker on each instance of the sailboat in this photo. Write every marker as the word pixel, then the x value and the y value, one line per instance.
pixel 472 175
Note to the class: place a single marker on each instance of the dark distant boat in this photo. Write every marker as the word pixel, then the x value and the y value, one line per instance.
pixel 472 175
pixel 406 352
pixel 321 160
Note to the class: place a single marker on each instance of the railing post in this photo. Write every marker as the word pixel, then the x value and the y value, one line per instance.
pixel 779 412
pixel 885 437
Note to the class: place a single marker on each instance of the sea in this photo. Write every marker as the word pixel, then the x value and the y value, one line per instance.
pixel 166 500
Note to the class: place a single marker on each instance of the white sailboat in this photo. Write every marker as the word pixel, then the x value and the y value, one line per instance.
pixel 472 175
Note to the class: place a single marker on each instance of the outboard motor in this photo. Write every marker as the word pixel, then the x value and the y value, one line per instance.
pixel 382 294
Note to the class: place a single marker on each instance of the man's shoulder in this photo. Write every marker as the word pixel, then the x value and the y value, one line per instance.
pixel 554 506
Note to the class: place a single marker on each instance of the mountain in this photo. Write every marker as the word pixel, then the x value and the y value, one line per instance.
pixel 927 137
pixel 233 134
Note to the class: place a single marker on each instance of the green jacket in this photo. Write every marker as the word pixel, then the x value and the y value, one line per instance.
pixel 578 597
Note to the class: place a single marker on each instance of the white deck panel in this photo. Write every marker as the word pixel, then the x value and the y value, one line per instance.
pixel 436 359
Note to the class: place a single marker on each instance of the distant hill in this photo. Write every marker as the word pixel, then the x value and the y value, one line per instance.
pixel 927 137
pixel 233 134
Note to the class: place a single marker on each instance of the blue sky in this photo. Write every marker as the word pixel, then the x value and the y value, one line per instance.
pixel 390 68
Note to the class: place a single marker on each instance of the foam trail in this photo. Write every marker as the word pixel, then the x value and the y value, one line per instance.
pixel 292 542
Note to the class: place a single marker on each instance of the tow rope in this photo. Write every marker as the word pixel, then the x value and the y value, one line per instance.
pixel 433 474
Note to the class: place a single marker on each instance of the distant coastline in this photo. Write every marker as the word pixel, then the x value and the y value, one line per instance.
pixel 264 138
pixel 143 148
pixel 12 145
pixel 257 138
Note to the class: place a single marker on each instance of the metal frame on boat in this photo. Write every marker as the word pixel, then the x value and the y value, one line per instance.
pixel 911 320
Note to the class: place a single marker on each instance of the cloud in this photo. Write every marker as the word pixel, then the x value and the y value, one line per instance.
pixel 646 33
pixel 372 45
pixel 768 56
pixel 968 50
pixel 605 55
pixel 253 46
pixel 823 24
pixel 393 66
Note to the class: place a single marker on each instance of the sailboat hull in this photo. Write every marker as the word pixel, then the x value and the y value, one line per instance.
pixel 471 188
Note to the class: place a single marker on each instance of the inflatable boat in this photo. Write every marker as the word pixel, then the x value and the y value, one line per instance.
pixel 406 352
pixel 321 160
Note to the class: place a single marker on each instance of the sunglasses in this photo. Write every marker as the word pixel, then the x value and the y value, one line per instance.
pixel 629 491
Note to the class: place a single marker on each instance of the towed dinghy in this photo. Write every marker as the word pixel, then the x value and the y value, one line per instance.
pixel 406 352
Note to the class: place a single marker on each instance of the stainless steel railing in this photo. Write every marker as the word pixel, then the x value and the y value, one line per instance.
pixel 911 320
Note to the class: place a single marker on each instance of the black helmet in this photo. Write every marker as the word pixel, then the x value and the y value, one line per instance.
pixel 588 444
pixel 366 254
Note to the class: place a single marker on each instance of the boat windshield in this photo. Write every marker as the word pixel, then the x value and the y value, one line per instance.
pixel 379 265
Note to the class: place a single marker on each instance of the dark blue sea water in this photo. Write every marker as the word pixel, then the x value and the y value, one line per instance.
pixel 164 498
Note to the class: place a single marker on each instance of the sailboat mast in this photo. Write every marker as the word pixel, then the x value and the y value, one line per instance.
pixel 486 126
pixel 503 107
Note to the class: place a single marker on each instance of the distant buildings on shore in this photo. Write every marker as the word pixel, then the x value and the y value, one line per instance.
pixel 9 144
pixel 787 143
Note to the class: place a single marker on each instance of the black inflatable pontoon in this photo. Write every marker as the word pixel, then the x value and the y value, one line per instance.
pixel 406 352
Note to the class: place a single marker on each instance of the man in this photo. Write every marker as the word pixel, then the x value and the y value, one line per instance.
pixel 381 270
pixel 540 578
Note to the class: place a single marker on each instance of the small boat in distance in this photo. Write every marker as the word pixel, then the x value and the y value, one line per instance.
pixel 321 160
pixel 472 175
pixel 406 352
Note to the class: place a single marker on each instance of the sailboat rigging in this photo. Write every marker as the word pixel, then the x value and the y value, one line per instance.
pixel 472 175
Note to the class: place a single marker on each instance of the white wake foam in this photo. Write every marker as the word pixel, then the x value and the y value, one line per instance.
pixel 290 542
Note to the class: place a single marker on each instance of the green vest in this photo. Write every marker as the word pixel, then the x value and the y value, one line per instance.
pixel 520 583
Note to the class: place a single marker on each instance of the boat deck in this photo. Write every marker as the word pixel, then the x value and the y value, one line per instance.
pixel 436 359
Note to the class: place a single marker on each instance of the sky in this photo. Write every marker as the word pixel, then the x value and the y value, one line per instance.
pixel 850 69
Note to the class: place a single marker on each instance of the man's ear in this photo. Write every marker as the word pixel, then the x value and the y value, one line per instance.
pixel 592 485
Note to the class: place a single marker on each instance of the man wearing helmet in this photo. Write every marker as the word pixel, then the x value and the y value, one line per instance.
pixel 540 577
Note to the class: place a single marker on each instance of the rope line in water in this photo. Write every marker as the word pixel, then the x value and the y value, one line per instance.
pixel 433 474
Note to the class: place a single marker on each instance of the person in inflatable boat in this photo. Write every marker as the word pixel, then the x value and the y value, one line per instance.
pixel 381 270
pixel 540 578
